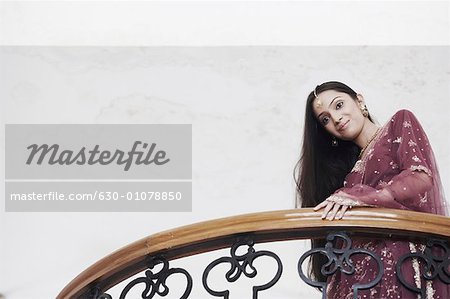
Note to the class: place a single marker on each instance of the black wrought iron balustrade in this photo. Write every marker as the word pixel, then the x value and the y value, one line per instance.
pixel 338 259
pixel 145 268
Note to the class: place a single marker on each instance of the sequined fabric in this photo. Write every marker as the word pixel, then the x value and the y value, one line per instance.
pixel 397 171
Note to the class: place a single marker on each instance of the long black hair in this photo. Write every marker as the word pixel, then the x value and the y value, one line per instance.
pixel 322 168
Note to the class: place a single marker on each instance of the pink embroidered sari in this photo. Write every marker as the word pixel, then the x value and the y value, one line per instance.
pixel 398 170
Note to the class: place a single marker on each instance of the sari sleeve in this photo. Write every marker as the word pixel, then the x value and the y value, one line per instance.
pixel 412 152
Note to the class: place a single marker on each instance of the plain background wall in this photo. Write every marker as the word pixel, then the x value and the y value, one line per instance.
pixel 238 71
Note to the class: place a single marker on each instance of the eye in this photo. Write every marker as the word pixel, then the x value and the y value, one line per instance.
pixel 339 104
pixel 324 120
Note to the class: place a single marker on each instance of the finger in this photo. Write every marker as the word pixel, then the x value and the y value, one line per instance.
pixel 334 212
pixel 321 205
pixel 327 209
pixel 343 210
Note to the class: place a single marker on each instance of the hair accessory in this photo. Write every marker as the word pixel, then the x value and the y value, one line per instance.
pixel 318 102
pixel 334 142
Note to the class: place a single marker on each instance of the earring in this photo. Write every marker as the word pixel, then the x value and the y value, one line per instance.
pixel 334 142
pixel 364 111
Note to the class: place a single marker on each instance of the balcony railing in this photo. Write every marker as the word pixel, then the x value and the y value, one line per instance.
pixel 244 231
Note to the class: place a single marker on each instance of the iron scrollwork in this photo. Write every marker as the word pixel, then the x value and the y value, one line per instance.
pixel 242 264
pixel 339 259
pixel 96 293
pixel 155 283
pixel 435 265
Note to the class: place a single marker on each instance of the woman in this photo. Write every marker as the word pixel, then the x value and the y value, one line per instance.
pixel 347 160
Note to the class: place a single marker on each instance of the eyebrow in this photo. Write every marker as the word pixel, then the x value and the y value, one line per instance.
pixel 333 100
pixel 318 116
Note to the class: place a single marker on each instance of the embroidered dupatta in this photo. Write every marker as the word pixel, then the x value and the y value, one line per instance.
pixel 398 170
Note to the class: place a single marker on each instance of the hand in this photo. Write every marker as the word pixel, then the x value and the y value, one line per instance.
pixel 331 210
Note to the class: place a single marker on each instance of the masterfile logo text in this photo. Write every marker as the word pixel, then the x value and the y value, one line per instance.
pixel 98 167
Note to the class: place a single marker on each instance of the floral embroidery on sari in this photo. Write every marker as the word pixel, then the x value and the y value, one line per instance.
pixel 421 168
pixel 416 159
pixel 358 167
pixel 407 124
pixel 397 140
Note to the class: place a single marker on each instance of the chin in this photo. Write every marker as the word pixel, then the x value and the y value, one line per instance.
pixel 347 137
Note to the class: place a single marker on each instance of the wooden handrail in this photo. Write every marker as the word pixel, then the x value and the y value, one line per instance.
pixel 262 227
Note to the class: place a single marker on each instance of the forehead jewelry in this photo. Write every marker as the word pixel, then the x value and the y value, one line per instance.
pixel 319 102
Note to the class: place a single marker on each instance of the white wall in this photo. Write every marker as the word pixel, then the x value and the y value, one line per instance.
pixel 245 103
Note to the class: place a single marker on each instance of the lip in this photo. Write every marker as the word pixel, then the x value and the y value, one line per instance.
pixel 342 127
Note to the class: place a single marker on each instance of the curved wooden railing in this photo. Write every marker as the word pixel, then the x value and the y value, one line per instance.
pixel 262 227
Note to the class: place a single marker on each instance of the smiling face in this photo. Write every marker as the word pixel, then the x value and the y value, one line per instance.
pixel 340 114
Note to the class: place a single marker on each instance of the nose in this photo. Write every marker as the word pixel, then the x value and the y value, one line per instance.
pixel 336 118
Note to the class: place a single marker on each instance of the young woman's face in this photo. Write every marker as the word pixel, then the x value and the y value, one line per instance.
pixel 339 114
